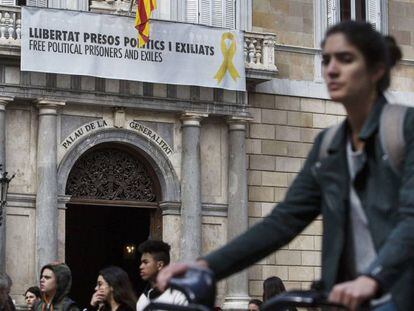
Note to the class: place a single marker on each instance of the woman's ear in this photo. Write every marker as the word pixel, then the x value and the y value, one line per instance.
pixel 378 73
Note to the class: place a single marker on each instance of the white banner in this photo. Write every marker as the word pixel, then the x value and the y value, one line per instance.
pixel 82 43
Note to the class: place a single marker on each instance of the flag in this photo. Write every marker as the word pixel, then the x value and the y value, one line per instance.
pixel 144 10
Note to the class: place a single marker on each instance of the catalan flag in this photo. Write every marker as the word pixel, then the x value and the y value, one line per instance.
pixel 144 10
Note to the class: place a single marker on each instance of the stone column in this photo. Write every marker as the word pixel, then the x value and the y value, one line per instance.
pixel 46 197
pixel 237 218
pixel 190 187
pixel 3 103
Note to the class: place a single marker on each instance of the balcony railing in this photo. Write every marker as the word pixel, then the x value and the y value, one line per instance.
pixel 259 48
pixel 259 55
pixel 110 6
pixel 10 26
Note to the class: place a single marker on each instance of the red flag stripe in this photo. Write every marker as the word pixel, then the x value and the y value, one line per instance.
pixel 142 13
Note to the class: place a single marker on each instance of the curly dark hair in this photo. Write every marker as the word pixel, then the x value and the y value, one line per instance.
pixel 256 302
pixel 158 249
pixel 34 290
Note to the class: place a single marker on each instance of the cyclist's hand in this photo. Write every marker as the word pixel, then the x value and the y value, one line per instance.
pixel 174 270
pixel 353 293
pixel 170 271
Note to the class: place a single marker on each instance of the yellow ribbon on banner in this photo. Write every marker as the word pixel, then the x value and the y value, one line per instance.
pixel 228 54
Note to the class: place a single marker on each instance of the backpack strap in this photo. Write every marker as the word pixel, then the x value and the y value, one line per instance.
pixel 327 140
pixel 392 135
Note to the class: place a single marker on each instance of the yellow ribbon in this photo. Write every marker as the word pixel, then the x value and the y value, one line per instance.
pixel 228 54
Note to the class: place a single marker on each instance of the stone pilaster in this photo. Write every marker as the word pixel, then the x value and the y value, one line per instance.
pixel 191 187
pixel 46 196
pixel 237 220
pixel 3 103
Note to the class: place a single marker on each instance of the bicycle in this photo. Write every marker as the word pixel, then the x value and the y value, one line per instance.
pixel 198 285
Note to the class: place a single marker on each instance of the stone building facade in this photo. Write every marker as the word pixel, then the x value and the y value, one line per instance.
pixel 226 157
pixel 290 110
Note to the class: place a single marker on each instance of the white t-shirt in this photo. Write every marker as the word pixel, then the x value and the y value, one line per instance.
pixel 170 296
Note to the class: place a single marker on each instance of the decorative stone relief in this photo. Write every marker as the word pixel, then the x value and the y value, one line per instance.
pixel 110 174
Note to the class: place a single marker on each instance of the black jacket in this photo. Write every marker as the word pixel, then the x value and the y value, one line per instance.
pixel 322 187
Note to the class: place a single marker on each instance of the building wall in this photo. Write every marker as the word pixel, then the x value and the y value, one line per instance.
pixel 21 155
pixel 290 20
pixel 279 139
pixel 401 25
pixel 284 125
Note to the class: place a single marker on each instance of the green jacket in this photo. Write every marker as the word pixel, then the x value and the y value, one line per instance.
pixel 322 187
pixel 61 301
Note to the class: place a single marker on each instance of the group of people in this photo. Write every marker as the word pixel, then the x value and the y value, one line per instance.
pixel 113 291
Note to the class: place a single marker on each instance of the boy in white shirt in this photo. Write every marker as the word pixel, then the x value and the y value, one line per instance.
pixel 155 255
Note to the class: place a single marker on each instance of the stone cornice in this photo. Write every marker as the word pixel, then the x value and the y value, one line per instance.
pixel 208 209
pixel 4 100
pixel 108 99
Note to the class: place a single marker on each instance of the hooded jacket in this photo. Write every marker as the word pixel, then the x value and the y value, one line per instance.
pixel 60 301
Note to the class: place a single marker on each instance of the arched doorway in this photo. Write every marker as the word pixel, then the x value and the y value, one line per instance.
pixel 114 193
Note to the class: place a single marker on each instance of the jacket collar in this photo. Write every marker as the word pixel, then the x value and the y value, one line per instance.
pixel 369 128
pixel 372 122
pixel 151 292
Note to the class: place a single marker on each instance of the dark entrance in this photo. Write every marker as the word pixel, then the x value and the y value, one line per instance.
pixel 96 237
pixel 113 207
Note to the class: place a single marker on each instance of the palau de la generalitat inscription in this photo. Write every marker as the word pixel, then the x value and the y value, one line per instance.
pixel 83 130
pixel 132 125
pixel 152 135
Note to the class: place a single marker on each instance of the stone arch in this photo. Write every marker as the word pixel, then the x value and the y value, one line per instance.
pixel 162 166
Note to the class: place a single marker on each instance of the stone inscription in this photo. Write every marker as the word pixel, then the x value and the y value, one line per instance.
pixel 83 130
pixel 150 134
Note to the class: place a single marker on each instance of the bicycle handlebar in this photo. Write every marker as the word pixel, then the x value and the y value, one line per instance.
pixel 299 298
pixel 198 285
pixel 169 307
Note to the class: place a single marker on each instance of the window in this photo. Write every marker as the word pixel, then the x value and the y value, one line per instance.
pixel 80 5
pixel 373 11
pixel 353 9
pixel 220 13
pixel 234 14
pixel 41 3
pixel 163 10
pixel 8 2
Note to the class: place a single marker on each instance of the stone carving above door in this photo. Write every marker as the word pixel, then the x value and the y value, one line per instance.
pixel 110 174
